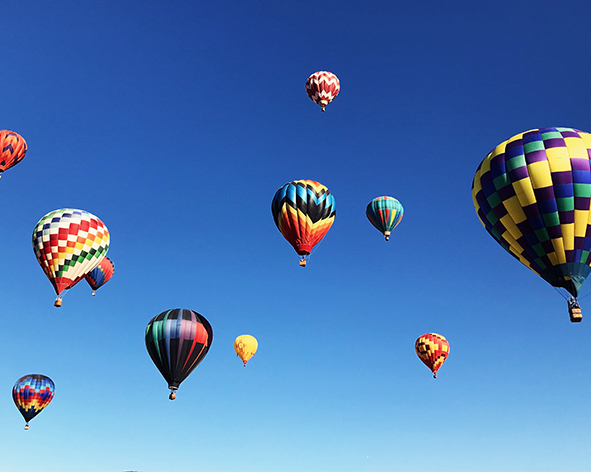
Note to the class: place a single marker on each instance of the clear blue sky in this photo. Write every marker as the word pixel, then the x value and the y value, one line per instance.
pixel 175 123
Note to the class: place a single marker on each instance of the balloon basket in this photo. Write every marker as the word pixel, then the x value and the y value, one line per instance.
pixel 172 396
pixel 58 302
pixel 27 427
pixel 387 235
pixel 575 315
pixel 303 262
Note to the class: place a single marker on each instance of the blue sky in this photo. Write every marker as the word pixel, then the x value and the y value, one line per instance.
pixel 175 123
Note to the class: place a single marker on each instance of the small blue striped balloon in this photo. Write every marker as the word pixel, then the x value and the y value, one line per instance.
pixel 384 213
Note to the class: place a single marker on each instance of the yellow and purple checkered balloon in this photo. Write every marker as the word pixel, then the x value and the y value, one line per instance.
pixel 532 193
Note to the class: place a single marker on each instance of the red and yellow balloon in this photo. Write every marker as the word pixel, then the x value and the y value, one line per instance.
pixel 432 349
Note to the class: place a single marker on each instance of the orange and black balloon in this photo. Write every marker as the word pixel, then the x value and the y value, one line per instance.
pixel 304 211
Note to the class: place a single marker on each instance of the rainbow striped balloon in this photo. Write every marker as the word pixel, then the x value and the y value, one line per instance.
pixel 177 341
pixel 384 213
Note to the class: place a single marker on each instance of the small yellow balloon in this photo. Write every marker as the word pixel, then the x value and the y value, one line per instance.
pixel 245 346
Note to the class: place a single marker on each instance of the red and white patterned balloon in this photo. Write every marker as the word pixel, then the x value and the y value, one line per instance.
pixel 322 87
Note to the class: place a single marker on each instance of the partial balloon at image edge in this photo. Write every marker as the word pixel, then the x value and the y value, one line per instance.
pixel 13 149
pixel 532 193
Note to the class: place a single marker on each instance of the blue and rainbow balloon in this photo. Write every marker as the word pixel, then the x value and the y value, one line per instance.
pixel 385 213
pixel 31 394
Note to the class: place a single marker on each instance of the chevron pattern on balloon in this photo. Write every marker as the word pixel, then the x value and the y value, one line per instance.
pixel 311 199
pixel 304 211
pixel 13 149
pixel 322 87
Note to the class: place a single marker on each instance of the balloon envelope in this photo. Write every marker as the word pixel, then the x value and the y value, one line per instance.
pixel 245 347
pixel 532 194
pixel 101 274
pixel 31 394
pixel 304 211
pixel 322 87
pixel 68 244
pixel 432 349
pixel 13 148
pixel 177 341
pixel 384 213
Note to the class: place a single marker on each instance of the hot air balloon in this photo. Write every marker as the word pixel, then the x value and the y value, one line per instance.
pixel 100 275
pixel 245 347
pixel 304 211
pixel 13 148
pixel 177 341
pixel 69 244
pixel 31 394
pixel 384 213
pixel 532 194
pixel 322 87
pixel 432 349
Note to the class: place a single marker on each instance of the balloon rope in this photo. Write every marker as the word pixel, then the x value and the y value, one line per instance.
pixel 315 247
pixel 566 295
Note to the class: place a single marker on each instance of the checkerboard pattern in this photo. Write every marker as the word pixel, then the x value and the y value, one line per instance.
pixel 322 87
pixel 31 394
pixel 68 244
pixel 432 349
pixel 532 193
